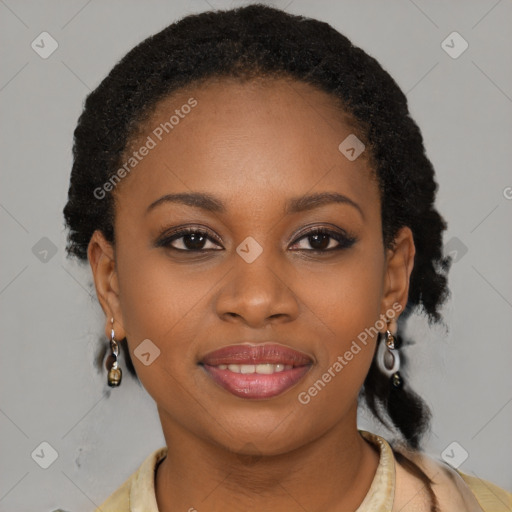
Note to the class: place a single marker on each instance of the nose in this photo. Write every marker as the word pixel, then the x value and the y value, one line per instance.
pixel 257 294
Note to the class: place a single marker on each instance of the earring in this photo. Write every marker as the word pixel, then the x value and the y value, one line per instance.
pixel 114 373
pixel 388 360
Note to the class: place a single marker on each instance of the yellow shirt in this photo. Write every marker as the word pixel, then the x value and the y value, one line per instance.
pixel 393 488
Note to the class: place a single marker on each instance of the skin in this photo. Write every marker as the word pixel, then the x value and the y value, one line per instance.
pixel 252 145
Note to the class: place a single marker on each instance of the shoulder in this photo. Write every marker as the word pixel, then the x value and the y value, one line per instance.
pixel 490 496
pixel 138 488
pixel 453 489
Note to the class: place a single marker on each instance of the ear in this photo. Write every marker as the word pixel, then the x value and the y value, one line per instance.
pixel 101 257
pixel 398 267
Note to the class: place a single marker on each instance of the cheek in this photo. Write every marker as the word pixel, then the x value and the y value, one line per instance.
pixel 344 357
pixel 161 303
pixel 157 295
pixel 345 306
pixel 345 299
pixel 166 304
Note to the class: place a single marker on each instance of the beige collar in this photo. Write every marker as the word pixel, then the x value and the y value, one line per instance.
pixel 381 494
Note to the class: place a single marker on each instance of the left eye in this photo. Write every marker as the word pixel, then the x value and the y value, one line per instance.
pixel 321 240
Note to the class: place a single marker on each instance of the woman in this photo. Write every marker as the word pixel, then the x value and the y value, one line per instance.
pixel 257 209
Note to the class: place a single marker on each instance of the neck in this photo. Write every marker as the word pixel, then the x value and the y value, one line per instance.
pixel 333 472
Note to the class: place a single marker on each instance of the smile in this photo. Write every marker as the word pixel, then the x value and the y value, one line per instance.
pixel 256 371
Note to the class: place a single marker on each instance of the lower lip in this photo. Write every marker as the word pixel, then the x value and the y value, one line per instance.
pixel 255 385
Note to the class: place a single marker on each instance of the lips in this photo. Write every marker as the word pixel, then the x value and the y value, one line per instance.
pixel 271 353
pixel 256 371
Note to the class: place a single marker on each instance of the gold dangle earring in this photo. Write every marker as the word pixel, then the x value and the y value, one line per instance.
pixel 114 373
pixel 388 359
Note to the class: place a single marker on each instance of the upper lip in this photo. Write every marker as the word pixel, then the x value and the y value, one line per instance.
pixel 268 352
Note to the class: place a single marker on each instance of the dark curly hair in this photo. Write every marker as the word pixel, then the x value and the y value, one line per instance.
pixel 254 42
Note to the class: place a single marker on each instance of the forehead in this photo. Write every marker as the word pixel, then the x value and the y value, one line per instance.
pixel 264 138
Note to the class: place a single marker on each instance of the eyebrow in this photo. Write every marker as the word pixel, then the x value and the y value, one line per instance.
pixel 209 203
pixel 195 199
pixel 308 202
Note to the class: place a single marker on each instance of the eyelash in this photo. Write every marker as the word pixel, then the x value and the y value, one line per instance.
pixel 345 241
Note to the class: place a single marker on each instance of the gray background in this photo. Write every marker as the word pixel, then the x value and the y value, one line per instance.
pixel 50 390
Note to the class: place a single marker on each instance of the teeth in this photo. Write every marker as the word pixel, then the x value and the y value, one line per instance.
pixel 262 369
pixel 267 369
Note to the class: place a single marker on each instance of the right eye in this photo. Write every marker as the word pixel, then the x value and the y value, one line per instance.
pixel 187 240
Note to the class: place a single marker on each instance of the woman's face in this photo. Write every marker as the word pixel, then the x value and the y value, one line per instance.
pixel 257 167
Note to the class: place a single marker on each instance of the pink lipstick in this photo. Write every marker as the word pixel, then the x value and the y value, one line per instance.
pixel 256 371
